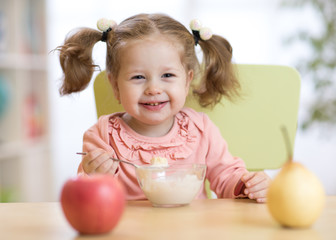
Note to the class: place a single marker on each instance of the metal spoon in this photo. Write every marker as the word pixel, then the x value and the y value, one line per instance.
pixel 114 159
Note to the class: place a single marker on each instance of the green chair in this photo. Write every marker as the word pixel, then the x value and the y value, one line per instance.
pixel 252 125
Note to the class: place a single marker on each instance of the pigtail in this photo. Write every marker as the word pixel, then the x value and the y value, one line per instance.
pixel 76 60
pixel 218 78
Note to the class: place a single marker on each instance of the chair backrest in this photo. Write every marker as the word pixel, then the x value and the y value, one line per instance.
pixel 251 125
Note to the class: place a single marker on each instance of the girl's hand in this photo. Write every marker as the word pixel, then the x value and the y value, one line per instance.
pixel 256 184
pixel 98 161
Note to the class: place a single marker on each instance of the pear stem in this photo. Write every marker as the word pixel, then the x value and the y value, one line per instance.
pixel 287 142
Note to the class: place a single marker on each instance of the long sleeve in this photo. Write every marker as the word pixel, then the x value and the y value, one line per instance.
pixel 224 170
pixel 97 137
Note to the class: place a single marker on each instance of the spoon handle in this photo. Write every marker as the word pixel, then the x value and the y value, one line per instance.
pixel 114 159
pixel 123 161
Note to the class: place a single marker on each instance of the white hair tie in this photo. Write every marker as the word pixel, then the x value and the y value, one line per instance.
pixel 199 32
pixel 104 24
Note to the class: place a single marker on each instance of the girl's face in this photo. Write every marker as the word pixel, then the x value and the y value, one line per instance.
pixel 152 84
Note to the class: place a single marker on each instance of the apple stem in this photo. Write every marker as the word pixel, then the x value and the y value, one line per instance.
pixel 287 142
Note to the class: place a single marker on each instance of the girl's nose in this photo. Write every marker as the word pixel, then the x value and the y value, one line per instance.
pixel 153 89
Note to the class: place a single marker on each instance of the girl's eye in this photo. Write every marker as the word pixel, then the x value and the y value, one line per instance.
pixel 167 75
pixel 138 77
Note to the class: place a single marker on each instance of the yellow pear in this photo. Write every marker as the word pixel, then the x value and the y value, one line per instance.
pixel 295 197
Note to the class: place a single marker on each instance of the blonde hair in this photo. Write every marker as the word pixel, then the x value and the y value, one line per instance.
pixel 217 77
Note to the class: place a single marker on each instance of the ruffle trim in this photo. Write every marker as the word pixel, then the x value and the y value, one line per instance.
pixel 178 144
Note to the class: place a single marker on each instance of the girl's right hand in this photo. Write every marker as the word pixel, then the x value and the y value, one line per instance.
pixel 98 161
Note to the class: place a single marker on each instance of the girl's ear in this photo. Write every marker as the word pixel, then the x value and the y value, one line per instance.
pixel 190 76
pixel 115 87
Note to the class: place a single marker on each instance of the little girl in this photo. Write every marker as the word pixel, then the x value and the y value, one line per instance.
pixel 151 63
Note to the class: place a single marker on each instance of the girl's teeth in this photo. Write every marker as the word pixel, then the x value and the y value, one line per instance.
pixel 153 104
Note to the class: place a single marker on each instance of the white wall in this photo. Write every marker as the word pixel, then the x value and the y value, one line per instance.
pixel 255 28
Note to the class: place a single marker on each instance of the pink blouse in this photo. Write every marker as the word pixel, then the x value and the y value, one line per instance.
pixel 194 138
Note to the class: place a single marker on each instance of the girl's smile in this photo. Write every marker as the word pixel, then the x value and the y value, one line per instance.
pixel 152 84
pixel 154 106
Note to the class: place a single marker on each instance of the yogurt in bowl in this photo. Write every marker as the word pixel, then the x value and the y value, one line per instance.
pixel 171 186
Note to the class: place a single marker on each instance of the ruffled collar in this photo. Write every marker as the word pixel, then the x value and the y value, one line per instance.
pixel 177 144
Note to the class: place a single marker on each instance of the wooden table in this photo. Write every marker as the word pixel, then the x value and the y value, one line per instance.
pixel 203 219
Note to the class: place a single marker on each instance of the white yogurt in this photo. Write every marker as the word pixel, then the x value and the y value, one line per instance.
pixel 173 191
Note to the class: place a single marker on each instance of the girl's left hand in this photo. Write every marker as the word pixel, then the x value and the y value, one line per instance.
pixel 256 184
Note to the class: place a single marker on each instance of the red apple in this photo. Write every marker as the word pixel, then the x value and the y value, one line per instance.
pixel 93 204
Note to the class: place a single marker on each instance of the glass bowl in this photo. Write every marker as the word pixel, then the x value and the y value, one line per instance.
pixel 172 186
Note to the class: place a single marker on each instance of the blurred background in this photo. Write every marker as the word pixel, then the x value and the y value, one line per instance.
pixel 40 132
